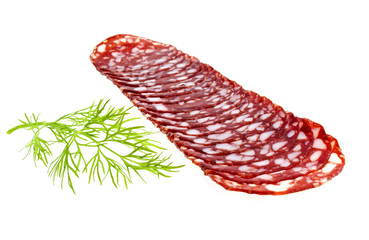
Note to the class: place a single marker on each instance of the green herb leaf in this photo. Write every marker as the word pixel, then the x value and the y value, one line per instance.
pixel 119 150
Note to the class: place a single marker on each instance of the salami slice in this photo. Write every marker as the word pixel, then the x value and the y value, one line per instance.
pixel 241 140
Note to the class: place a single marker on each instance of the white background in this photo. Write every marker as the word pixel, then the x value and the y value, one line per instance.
pixel 311 57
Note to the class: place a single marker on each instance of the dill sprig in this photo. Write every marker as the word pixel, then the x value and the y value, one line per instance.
pixel 118 150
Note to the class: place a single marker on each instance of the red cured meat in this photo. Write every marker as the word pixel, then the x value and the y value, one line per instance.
pixel 241 140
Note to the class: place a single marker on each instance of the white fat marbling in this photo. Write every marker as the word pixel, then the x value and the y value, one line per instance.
pixel 328 167
pixel 312 165
pixel 223 92
pixel 238 142
pixel 246 168
pixel 335 159
pixel 264 151
pixel 319 144
pixel 209 151
pixel 279 161
pixel 276 146
pixel 227 146
pixel 265 177
pixel 315 156
pixel 253 137
pixel 149 50
pixel 200 140
pixel 165 66
pixel 234 157
pixel 265 116
pixel 235 111
pixel 282 186
pixel 160 107
pixel 261 163
pixel 214 127
pixel 282 162
pixel 153 99
pixel 221 136
pixel 301 136
pixel 241 118
pixel 181 65
pixel 297 148
pixel 248 153
pixel 140 89
pixel 101 48
pixel 192 70
pixel 194 112
pixel 286 163
pixel 193 132
pixel 315 132
pixel 293 155
pixel 253 126
pixel 241 129
pixel 290 133
pixel 201 120
pixel 266 135
pixel 277 124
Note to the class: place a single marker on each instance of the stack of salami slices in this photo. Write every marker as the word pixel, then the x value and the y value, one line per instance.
pixel 241 140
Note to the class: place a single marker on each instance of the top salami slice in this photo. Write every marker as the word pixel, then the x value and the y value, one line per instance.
pixel 241 140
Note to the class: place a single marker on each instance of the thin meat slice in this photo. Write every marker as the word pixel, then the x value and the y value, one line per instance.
pixel 193 114
pixel 232 150
pixel 190 69
pixel 257 161
pixel 253 159
pixel 192 106
pixel 268 125
pixel 201 117
pixel 241 140
pixel 330 169
pixel 185 76
pixel 163 91
pixel 187 101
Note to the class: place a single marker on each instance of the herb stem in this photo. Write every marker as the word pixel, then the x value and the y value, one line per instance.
pixel 27 125
pixel 119 148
